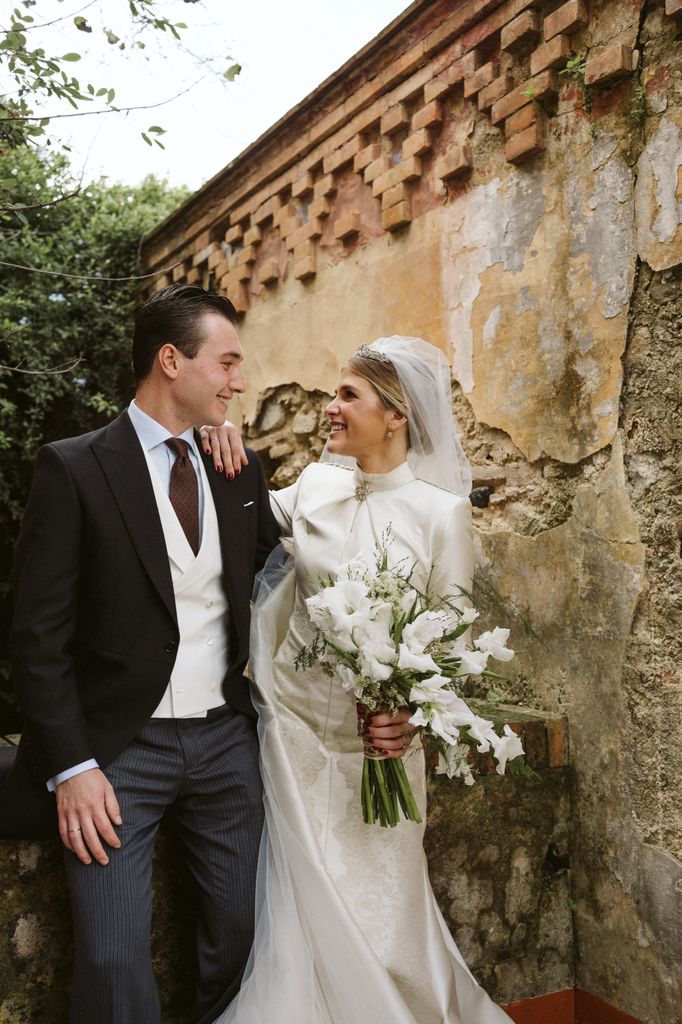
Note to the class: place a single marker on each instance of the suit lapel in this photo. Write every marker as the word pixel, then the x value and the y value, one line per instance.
pixel 123 463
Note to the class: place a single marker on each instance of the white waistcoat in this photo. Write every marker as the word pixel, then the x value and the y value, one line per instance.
pixel 201 607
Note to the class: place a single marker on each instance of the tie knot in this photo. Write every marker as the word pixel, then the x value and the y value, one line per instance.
pixel 179 446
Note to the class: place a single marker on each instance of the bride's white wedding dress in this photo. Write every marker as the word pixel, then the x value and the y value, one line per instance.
pixel 348 930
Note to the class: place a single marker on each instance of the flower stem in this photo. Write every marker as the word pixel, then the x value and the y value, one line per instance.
pixel 367 800
pixel 385 803
pixel 404 791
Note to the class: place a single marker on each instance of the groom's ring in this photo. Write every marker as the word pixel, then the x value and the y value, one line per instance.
pixel 75 830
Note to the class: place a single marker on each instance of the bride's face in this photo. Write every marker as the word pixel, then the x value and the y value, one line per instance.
pixel 359 422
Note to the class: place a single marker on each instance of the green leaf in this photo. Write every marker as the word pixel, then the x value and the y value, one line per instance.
pixel 156 130
pixel 71 58
pixel 81 24
pixel 110 95
pixel 101 92
pixel 146 138
pixel 232 72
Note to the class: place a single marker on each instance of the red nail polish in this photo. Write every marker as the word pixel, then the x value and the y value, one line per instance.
pixel 219 469
pixel 230 476
pixel 207 450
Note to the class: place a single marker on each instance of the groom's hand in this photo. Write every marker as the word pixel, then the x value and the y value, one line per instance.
pixel 87 810
pixel 391 735
pixel 224 445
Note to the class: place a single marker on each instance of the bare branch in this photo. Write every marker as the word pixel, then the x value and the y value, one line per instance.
pixel 63 17
pixel 62 368
pixel 106 110
pixel 86 277
pixel 41 206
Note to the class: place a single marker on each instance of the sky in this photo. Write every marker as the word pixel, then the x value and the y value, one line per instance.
pixel 286 49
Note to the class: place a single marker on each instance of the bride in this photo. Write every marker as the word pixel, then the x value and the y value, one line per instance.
pixel 348 930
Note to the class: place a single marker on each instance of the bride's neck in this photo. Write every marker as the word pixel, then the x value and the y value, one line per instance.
pixel 384 461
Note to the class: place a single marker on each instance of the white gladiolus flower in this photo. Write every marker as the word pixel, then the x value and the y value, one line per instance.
pixel 376 651
pixel 493 643
pixel 506 748
pixel 438 720
pixel 416 662
pixel 425 628
pixel 472 663
pixel 468 616
pixel 482 731
pixel 336 609
pixel 346 677
pixel 407 600
pixel 433 690
pixel 371 665
pixel 454 763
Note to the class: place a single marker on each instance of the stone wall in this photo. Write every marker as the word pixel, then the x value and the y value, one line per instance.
pixel 503 179
pixel 499 854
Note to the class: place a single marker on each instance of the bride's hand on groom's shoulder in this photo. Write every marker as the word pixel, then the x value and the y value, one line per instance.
pixel 224 445
pixel 391 735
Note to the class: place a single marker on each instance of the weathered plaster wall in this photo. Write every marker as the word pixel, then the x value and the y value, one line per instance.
pixel 455 184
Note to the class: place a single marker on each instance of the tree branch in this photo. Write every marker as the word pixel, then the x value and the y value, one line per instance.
pixel 107 110
pixel 41 206
pixel 85 277
pixel 63 368
pixel 63 17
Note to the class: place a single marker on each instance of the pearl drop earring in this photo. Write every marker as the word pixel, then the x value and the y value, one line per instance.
pixel 389 435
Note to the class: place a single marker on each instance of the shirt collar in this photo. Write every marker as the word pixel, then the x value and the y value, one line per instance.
pixel 151 433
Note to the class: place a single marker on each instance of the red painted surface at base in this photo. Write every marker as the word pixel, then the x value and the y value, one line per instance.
pixel 592 1010
pixel 555 1008
pixel 572 1006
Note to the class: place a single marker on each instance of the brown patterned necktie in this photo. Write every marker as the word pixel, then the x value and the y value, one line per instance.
pixel 184 491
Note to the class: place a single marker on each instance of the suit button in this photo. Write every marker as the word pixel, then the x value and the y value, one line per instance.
pixel 171 647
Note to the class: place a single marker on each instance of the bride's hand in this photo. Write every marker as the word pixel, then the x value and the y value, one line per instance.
pixel 224 444
pixel 391 735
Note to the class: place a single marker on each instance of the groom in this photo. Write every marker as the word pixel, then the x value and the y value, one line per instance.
pixel 133 575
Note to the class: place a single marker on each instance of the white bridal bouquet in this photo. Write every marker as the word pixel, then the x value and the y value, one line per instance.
pixel 394 647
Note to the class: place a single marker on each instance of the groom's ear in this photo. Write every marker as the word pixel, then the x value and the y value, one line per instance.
pixel 167 359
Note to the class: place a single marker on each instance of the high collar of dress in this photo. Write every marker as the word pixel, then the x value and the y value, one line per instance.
pixel 402 474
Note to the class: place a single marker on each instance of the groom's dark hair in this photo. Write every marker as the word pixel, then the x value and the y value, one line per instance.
pixel 172 316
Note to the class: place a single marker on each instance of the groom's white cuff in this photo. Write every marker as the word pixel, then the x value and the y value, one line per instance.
pixel 69 773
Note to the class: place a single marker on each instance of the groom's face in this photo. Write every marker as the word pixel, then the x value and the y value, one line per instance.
pixel 205 384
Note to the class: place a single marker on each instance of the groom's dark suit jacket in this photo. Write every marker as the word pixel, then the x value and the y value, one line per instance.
pixel 95 633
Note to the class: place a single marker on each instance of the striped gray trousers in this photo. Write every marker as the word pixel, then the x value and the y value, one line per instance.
pixel 203 771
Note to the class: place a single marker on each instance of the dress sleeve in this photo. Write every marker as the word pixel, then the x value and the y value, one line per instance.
pixel 283 504
pixel 453 554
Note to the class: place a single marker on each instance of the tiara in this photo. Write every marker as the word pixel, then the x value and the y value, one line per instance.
pixel 365 352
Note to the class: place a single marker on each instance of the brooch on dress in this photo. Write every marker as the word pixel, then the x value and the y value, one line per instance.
pixel 362 490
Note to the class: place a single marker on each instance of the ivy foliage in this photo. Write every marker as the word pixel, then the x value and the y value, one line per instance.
pixel 64 340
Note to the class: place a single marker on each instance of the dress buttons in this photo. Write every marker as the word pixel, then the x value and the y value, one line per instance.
pixel 209 604
pixel 210 641
pixel 170 647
